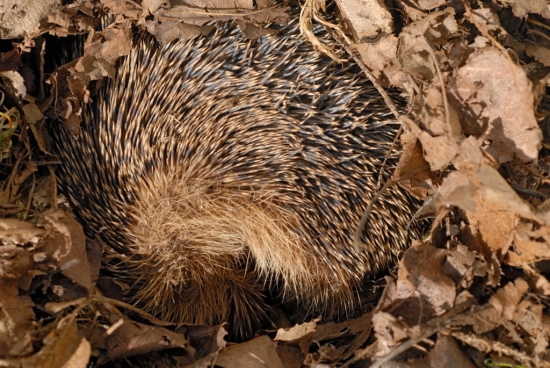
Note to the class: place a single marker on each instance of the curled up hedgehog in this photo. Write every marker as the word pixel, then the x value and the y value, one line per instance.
pixel 218 170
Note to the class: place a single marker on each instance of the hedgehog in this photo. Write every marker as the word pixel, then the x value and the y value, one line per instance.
pixel 220 170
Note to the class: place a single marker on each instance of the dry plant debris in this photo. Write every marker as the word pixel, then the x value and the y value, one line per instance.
pixel 474 293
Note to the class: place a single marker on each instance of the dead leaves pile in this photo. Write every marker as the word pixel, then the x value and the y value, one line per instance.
pixel 475 293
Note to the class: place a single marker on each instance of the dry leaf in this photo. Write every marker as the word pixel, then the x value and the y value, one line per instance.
pixel 527 246
pixel 131 338
pixel 500 308
pixel 62 347
pixel 257 353
pixel 74 263
pixel 498 104
pixel 477 180
pixel 521 8
pixel 412 161
pixel 419 39
pixel 17 19
pixel 367 20
pixel 422 286
pixel 446 353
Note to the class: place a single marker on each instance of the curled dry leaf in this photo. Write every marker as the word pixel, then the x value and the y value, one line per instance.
pixel 185 20
pixel 423 290
pixel 492 207
pixel 257 353
pixel 420 39
pixel 101 51
pixel 81 356
pixel 522 8
pixel 441 134
pixel 529 245
pixel 70 82
pixel 62 347
pixel 367 20
pixel 127 338
pixel 491 227
pixel 57 239
pixel 497 102
pixel 432 283
pixel 477 182
pixel 297 333
pixel 80 16
pixel 291 357
pixel 150 6
pixel 312 333
pixel 412 171
pixel 463 264
pixel 74 263
pixel 252 31
pixel 446 353
pixel 540 283
pixel 168 31
pixel 128 9
pixel 430 4
pixel 331 330
pixel 207 342
pixel 47 246
pixel 501 307
pixel 18 21
pixel 530 318
pixel 32 113
pixel 380 58
pixel 19 245
pixel 390 331
pixel 392 58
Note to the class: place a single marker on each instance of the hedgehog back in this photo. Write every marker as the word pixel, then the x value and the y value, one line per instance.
pixel 217 167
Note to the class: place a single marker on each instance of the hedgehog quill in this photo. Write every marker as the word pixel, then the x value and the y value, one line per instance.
pixel 219 169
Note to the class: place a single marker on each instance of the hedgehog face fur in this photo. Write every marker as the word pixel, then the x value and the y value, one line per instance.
pixel 218 167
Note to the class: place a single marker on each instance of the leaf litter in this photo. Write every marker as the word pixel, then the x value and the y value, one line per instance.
pixel 473 293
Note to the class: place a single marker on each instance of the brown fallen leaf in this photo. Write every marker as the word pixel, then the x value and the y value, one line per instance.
pixel 500 308
pixel 189 19
pixel 446 353
pixel 412 161
pixel 380 57
pixel 529 245
pixel 300 334
pixel 463 265
pixel 497 103
pixel 477 179
pixel 18 21
pixel 522 8
pixel 420 39
pixel 127 338
pixel 368 20
pixel 291 357
pixel 17 251
pixel 422 288
pixel 63 346
pixel 260 352
pixel 74 263
pixel 440 132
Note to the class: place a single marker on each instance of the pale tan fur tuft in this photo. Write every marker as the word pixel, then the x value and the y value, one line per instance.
pixel 197 246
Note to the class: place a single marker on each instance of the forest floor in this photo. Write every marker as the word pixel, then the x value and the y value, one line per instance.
pixel 475 292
